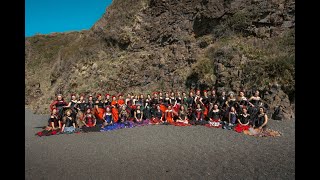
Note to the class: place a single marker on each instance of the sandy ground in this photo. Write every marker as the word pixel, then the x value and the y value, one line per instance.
pixel 159 152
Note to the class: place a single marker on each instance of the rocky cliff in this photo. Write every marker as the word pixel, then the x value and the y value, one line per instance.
pixel 148 45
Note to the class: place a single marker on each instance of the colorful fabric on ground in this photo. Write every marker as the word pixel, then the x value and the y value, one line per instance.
pixel 240 128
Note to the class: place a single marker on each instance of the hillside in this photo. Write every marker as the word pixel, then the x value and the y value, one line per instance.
pixel 148 45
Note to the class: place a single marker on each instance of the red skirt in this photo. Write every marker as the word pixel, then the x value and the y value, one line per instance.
pixel 240 128
pixel 115 114
pixel 176 108
pixel 99 113
pixel 155 121
pixel 205 112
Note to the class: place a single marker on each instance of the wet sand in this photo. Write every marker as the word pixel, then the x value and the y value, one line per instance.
pixel 159 152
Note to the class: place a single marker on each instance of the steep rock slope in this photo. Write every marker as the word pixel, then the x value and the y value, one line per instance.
pixel 148 45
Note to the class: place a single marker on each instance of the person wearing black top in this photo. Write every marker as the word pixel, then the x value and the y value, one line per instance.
pixel 72 106
pixel 59 103
pixel 81 106
pixel 255 103
pixel 215 113
pixel 147 107
pixel 138 115
pixel 183 115
pixel 166 100
pixel 198 117
pixel 90 102
pixel 190 100
pixel 178 98
pixel 99 108
pixel 261 121
pixel 213 97
pixel 157 116
pixel 222 100
pixel 215 116
pixel 222 105
pixel 154 102
pixel 204 100
pixel 69 124
pixel 53 120
pixel 107 100
pixel 243 121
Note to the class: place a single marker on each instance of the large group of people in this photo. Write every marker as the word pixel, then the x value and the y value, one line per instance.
pixel 231 111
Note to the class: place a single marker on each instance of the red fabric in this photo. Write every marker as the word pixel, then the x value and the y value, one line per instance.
pixel 155 121
pixel 113 103
pixel 176 108
pixel 169 118
pixel 99 113
pixel 115 114
pixel 181 124
pixel 120 102
pixel 240 128
pixel 205 112
pixel 52 104
pixel 40 133
pixel 163 108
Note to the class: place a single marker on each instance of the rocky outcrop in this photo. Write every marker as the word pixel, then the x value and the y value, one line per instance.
pixel 148 45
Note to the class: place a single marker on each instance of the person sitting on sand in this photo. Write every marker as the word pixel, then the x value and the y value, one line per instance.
pixel 232 118
pixel 114 109
pixel 69 123
pixel 89 119
pixel 89 122
pixel 215 116
pixel 121 102
pixel 157 116
pixel 107 117
pixel 198 117
pixel 261 121
pixel 243 121
pixel 182 115
pixel 52 127
pixel 53 121
pixel 124 115
pixel 259 128
pixel 169 115
pixel 138 115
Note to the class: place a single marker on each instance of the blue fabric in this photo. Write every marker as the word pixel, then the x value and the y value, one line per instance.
pixel 69 129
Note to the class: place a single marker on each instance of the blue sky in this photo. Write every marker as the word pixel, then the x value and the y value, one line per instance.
pixel 46 16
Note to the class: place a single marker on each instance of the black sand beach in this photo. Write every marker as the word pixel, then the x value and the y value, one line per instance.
pixel 159 152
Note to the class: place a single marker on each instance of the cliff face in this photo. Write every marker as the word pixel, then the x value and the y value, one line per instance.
pixel 148 45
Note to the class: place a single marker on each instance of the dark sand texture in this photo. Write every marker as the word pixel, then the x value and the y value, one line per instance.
pixel 159 152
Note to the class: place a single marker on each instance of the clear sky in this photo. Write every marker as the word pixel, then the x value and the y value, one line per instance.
pixel 46 16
